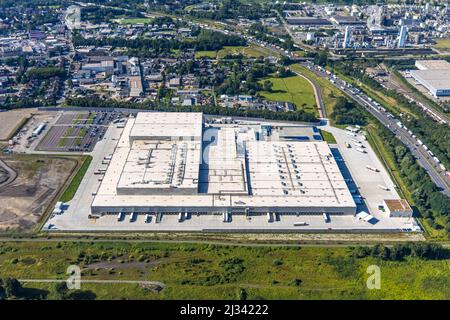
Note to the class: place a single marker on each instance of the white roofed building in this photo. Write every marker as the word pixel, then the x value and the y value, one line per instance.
pixel 169 162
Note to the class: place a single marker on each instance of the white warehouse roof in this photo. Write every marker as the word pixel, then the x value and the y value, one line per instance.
pixel 153 170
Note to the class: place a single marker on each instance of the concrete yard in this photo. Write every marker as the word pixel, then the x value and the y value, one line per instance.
pixel 366 181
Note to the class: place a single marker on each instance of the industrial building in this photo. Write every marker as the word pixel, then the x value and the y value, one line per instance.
pixel 434 75
pixel 135 83
pixel 397 208
pixel 432 65
pixel 307 21
pixel 402 36
pixel 437 82
pixel 175 163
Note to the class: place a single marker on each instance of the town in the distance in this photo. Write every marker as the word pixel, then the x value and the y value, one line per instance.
pixel 224 149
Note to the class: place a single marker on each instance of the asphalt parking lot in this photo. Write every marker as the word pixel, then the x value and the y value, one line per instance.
pixel 77 131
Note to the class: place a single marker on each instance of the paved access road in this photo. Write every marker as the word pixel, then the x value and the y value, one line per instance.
pixel 12 175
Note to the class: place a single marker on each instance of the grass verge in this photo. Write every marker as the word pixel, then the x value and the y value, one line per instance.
pixel 327 136
pixel 75 183
pixel 402 188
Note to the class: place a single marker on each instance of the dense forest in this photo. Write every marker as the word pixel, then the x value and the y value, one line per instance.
pixel 345 112
pixel 232 9
pixel 205 40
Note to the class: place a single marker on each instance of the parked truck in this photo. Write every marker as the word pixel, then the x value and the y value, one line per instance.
pixel 361 150
pixel 372 168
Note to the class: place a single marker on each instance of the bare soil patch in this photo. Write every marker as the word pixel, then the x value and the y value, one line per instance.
pixel 39 180
pixel 11 120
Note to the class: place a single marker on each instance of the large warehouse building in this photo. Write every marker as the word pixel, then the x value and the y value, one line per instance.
pixel 433 75
pixel 174 163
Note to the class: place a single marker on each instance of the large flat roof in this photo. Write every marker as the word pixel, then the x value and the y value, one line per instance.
pixel 432 64
pixel 174 125
pixel 437 79
pixel 233 171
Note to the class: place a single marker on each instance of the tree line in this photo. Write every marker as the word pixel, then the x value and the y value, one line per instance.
pixel 12 289
pixel 434 135
pixel 345 112
pixel 432 204
pixel 206 40
pixel 399 251
pixel 93 102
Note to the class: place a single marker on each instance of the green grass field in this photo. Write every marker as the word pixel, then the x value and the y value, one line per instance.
pixel 134 20
pixel 205 54
pixel 293 89
pixel 201 271
pixel 327 136
pixel 75 183
pixel 250 51
pixel 443 44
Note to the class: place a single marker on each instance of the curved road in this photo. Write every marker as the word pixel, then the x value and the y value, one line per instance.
pixel 12 175
pixel 317 94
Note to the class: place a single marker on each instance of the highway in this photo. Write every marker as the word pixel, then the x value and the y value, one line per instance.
pixel 425 160
pixel 437 176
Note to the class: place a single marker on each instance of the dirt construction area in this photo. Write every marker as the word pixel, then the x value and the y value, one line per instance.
pixel 37 182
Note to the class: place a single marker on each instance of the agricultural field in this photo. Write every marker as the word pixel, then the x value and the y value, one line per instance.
pixel 202 271
pixel 295 89
pixel 39 179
